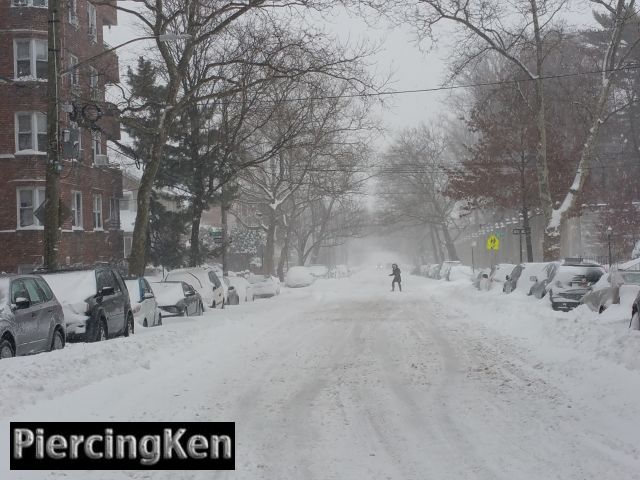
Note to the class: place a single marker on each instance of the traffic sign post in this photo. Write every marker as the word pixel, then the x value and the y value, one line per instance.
pixel 520 232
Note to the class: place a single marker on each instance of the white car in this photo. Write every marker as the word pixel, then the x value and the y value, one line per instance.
pixel 143 303
pixel 298 277
pixel 319 271
pixel 264 285
pixel 243 287
pixel 204 280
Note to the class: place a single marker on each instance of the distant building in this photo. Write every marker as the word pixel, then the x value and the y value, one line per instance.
pixel 90 187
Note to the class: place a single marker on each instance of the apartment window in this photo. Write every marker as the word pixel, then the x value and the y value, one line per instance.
pixel 31 56
pixel 93 23
pixel 97 212
pixel 73 12
pixel 30 3
pixel 76 210
pixel 29 200
pixel 114 213
pixel 94 83
pixel 96 144
pixel 31 132
pixel 74 72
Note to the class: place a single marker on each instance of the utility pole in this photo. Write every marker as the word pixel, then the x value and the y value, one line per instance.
pixel 225 234
pixel 52 178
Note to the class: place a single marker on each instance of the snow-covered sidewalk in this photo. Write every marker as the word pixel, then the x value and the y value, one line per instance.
pixel 346 380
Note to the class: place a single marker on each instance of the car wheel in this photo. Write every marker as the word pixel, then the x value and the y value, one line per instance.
pixel 57 343
pixel 6 349
pixel 185 312
pixel 101 334
pixel 144 323
pixel 222 303
pixel 635 321
pixel 601 309
pixel 159 319
pixel 129 327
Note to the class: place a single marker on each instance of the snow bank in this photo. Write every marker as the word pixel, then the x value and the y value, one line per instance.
pixel 299 277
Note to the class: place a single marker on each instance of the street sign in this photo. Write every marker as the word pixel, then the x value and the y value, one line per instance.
pixel 519 231
pixel 493 243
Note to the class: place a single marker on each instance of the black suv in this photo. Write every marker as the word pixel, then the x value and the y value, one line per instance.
pixel 95 302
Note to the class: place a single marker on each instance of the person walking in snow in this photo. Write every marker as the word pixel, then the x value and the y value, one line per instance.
pixel 396 278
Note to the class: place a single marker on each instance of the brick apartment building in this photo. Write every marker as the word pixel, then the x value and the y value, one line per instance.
pixel 90 188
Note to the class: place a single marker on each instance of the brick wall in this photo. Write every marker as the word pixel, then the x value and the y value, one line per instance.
pixel 24 247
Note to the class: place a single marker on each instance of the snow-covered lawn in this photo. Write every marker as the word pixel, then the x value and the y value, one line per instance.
pixel 347 380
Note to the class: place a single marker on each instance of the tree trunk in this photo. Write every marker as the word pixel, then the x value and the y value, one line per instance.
pixel 225 234
pixel 269 253
pixel 195 257
pixel 451 248
pixel 439 253
pixel 137 259
pixel 525 211
pixel 551 243
pixel 284 254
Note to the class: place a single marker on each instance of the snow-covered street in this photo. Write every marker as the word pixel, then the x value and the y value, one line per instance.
pixel 347 380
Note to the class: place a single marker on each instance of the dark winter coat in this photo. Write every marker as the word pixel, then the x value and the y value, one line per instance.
pixel 396 275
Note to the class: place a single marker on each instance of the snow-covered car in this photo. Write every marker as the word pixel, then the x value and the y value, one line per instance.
pixel 478 280
pixel 264 285
pixel 242 287
pixel 298 277
pixel 571 283
pixel 177 298
pixel 319 271
pixel 31 318
pixel 445 268
pixel 520 278
pixel 95 303
pixel 499 273
pixel 144 305
pixel 434 271
pixel 204 280
pixel 606 291
pixel 540 281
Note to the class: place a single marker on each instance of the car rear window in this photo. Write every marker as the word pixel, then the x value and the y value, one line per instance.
pixel 576 274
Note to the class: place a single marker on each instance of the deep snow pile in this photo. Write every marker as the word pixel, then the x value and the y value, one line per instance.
pixel 603 335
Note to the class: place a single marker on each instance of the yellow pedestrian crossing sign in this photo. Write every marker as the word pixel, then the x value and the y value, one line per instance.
pixel 493 242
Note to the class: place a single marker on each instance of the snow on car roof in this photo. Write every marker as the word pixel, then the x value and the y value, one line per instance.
pixel 72 287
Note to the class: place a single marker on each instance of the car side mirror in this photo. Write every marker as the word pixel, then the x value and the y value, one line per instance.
pixel 22 303
pixel 533 279
pixel 508 278
pixel 106 291
pixel 147 296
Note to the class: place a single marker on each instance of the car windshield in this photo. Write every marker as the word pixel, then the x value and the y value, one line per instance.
pixel 578 275
pixel 631 278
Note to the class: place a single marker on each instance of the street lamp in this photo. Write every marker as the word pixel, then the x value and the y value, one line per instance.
pixel 52 175
pixel 474 244
pixel 609 232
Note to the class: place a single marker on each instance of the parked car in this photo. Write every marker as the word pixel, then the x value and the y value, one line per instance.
pixel 298 277
pixel 204 280
pixel 434 271
pixel 571 283
pixel 232 297
pixel 177 298
pixel 499 273
pixel 606 291
pixel 264 285
pixel 520 277
pixel 319 271
pixel 31 318
pixel 242 287
pixel 540 282
pixel 445 268
pixel 481 281
pixel 144 305
pixel 95 302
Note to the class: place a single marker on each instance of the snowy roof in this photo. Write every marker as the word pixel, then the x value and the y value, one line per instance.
pixel 72 287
